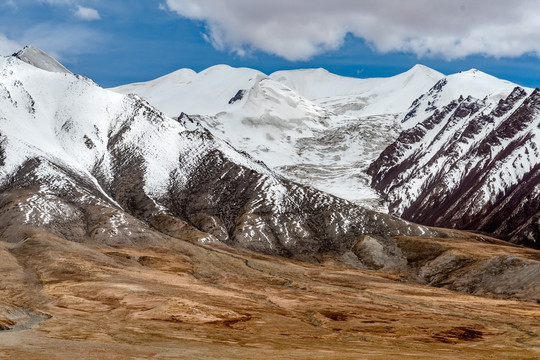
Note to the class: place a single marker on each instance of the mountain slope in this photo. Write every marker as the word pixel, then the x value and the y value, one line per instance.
pixel 92 165
pixel 179 299
pixel 237 104
pixel 471 165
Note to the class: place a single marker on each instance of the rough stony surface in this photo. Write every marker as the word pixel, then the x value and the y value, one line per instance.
pixel 484 267
pixel 380 253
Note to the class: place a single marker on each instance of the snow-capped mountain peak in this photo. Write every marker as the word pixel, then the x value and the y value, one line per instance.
pixel 189 92
pixel 38 58
pixel 392 95
pixel 471 83
pixel 422 70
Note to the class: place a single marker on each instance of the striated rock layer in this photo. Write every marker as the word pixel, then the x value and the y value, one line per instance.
pixel 471 165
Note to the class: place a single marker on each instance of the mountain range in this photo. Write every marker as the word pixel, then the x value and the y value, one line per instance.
pixel 310 126
pixel 227 212
pixel 391 144
pixel 85 148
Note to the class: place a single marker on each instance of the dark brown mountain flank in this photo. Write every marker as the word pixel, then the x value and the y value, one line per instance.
pixel 469 166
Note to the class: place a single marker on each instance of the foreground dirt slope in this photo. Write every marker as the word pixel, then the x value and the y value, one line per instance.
pixel 178 299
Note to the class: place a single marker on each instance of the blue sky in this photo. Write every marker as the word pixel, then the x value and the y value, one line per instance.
pixel 121 41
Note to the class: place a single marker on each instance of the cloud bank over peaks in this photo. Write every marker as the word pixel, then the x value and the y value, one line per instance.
pixel 298 30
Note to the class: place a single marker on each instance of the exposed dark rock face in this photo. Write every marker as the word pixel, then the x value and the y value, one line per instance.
pixel 433 93
pixel 221 201
pixel 380 253
pixel 245 208
pixel 237 97
pixel 469 166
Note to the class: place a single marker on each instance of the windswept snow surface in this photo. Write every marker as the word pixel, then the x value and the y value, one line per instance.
pixel 243 106
pixel 36 57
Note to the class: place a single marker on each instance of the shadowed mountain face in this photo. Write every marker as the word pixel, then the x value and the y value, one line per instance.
pixel 470 165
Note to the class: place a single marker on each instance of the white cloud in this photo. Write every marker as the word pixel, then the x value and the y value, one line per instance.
pixel 68 41
pixel 298 29
pixel 7 46
pixel 86 13
pixel 61 42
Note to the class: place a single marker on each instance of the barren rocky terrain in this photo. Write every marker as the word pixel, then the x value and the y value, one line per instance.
pixel 181 299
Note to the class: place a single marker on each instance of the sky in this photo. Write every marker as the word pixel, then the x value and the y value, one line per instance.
pixel 116 42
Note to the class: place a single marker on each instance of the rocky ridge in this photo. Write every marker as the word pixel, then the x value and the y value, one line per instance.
pixel 471 165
